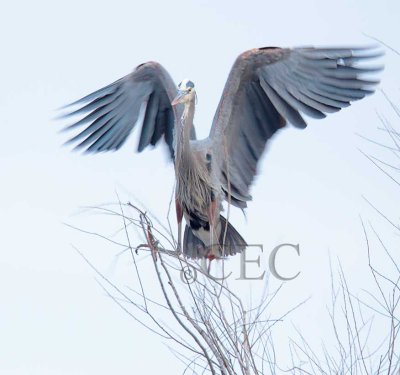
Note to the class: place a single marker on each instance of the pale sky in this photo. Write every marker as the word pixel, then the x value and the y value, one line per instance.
pixel 54 318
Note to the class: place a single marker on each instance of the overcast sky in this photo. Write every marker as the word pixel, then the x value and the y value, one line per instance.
pixel 54 318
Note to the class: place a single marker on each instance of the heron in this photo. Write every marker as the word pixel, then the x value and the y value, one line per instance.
pixel 267 88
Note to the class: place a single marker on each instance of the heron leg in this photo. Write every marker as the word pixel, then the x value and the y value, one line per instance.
pixel 179 245
pixel 212 219
pixel 179 215
pixel 206 263
pixel 212 209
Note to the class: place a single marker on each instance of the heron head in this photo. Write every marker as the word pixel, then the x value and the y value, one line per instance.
pixel 186 92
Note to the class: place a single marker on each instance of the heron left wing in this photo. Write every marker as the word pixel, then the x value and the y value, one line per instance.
pixel 111 113
pixel 269 86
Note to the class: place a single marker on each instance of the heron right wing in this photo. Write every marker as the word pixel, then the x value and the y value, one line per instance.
pixel 268 87
pixel 112 112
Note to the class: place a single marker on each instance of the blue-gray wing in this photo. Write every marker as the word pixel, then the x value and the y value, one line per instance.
pixel 268 87
pixel 110 114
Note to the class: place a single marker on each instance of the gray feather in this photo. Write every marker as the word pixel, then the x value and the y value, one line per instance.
pixel 111 113
pixel 268 86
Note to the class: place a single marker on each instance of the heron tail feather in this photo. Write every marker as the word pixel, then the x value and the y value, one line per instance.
pixel 230 242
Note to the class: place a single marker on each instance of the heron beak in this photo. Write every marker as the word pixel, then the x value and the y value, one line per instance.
pixel 179 98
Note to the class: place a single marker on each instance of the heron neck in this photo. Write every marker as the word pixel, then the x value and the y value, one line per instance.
pixel 183 149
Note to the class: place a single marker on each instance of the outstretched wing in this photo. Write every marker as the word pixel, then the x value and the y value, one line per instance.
pixel 268 87
pixel 111 112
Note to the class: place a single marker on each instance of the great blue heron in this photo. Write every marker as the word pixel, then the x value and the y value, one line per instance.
pixel 266 88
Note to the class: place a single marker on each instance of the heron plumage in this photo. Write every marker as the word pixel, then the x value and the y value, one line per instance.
pixel 265 89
